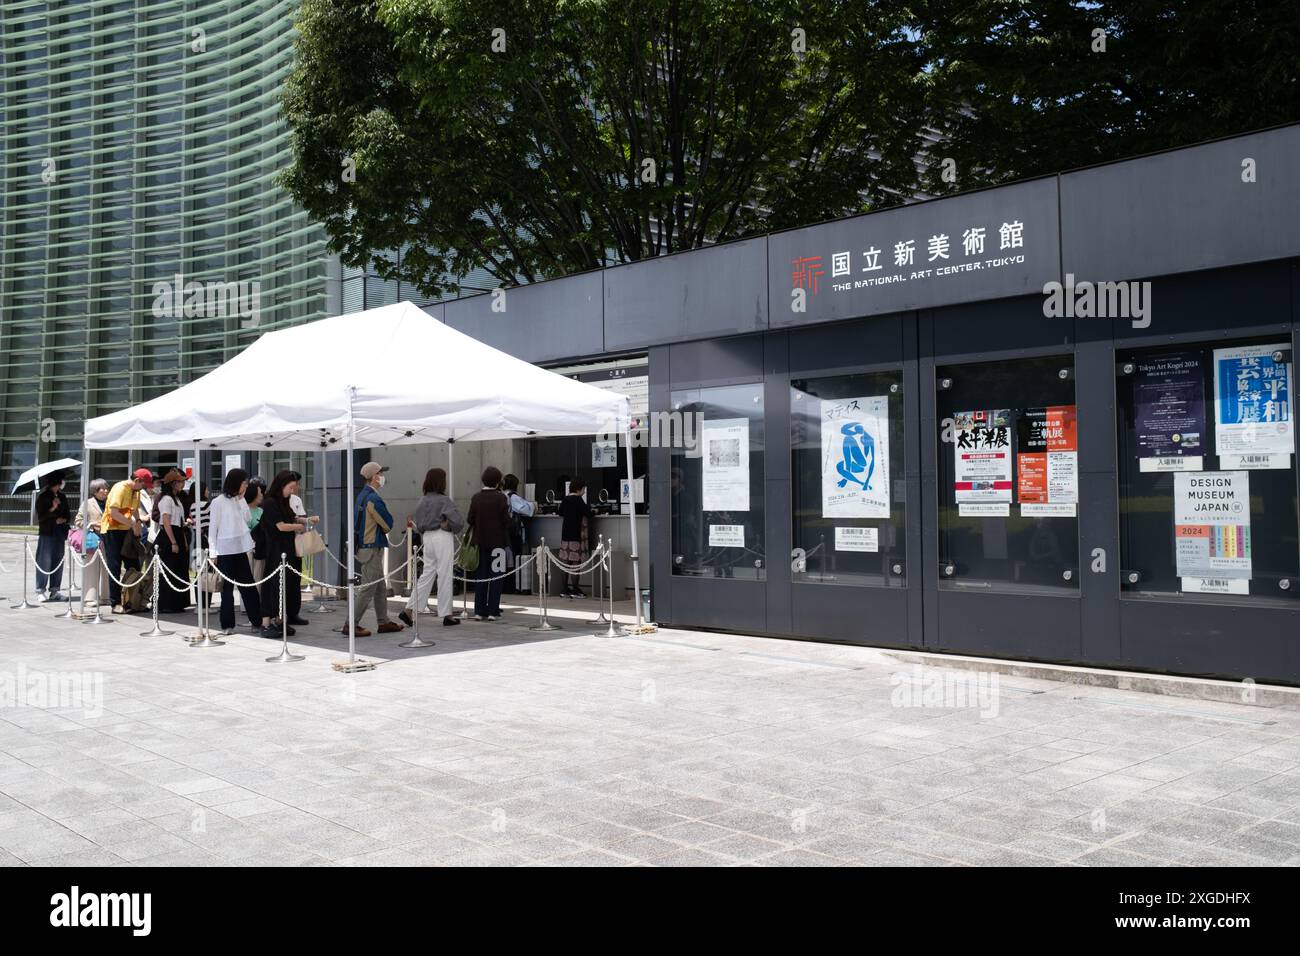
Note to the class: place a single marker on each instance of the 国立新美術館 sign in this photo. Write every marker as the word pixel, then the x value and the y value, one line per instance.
pixel 988 245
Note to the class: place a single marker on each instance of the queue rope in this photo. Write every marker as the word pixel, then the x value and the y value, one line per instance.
pixel 588 565
pixel 28 546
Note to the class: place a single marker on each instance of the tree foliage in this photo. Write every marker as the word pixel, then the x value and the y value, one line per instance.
pixel 611 131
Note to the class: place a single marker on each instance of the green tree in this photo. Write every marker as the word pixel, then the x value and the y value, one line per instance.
pixel 1038 86
pixel 604 131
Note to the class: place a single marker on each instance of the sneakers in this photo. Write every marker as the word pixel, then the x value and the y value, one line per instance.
pixel 480 617
pixel 270 632
pixel 448 621
pixel 389 627
pixel 301 622
pixel 493 617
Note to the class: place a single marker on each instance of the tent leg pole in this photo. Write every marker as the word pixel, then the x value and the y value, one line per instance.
pixel 197 487
pixel 352 592
pixel 631 517
pixel 451 493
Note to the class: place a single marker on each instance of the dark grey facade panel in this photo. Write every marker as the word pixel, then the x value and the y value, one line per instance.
pixel 710 292
pixel 543 322
pixel 993 244
pixel 1184 210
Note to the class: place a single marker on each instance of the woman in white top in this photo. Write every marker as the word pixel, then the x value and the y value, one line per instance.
pixel 89 519
pixel 229 543
pixel 173 544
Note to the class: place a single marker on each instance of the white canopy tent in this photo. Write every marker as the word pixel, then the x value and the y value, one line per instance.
pixel 339 383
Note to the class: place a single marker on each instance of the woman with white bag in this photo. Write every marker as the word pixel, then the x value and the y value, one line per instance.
pixel 283 529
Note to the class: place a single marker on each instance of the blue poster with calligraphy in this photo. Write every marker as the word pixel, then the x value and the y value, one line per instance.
pixel 1252 407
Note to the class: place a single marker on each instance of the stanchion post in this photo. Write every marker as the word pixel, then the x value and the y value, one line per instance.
pixel 205 638
pixel 284 657
pixel 70 567
pixel 544 556
pixel 24 604
pixel 99 598
pixel 415 641
pixel 321 607
pixel 612 630
pixel 157 631
pixel 599 572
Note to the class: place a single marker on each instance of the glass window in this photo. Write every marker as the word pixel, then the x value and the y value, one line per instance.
pixel 1008 476
pixel 716 482
pixel 1207 479
pixel 847 478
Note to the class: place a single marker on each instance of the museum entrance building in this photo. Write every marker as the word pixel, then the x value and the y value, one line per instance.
pixel 1048 421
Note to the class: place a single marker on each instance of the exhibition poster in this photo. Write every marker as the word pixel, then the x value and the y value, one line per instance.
pixel 855 457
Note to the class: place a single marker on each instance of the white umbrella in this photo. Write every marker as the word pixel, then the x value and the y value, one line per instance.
pixel 43 469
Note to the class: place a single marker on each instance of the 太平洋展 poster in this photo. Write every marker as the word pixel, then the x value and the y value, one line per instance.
pixel 725 457
pixel 1169 412
pixel 1047 462
pixel 982 448
pixel 1212 529
pixel 1252 408
pixel 855 457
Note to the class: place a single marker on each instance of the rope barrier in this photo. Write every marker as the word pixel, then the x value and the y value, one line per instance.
pixel 28 546
pixel 583 568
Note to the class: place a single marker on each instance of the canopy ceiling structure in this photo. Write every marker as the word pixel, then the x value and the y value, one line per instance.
pixel 394 375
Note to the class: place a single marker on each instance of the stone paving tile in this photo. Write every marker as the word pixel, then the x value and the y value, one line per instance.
pixel 500 748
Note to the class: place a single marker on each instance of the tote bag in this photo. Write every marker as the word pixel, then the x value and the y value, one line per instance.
pixel 308 543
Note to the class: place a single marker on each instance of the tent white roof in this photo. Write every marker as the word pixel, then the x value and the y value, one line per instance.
pixel 412 380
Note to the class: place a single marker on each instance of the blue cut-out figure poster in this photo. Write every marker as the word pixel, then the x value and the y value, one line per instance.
pixel 855 457
pixel 859 455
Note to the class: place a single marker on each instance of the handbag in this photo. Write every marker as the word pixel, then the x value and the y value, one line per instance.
pixel 308 543
pixel 76 540
pixel 467 552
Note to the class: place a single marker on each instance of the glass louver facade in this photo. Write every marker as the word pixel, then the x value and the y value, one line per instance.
pixel 139 143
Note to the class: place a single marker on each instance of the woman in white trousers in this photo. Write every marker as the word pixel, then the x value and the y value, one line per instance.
pixel 437 519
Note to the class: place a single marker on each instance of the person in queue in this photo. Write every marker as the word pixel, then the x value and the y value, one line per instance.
pixel 229 543
pixel 173 543
pixel 438 521
pixel 371 522
pixel 280 529
pixel 489 523
pixel 120 520
pixel 90 518
pixel 52 516
pixel 520 509
pixel 257 557
pixel 575 533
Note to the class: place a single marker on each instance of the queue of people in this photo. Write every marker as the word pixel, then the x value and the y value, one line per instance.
pixel 249 526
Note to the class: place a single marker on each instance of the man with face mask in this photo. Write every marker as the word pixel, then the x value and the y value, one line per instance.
pixel 371 521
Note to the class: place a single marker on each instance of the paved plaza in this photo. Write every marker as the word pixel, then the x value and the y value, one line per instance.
pixel 503 746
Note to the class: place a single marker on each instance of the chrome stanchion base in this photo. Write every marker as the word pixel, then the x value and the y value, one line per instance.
pixel 157 632
pixel 204 639
pixel 611 631
pixel 284 657
pixel 24 605
pixel 69 614
pixel 416 642
pixel 97 618
pixel 545 626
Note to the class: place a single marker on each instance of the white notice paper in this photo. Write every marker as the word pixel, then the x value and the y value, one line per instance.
pixel 726 536
pixel 725 444
pixel 857 539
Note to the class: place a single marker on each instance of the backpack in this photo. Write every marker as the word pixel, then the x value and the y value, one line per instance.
pixel 136 590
